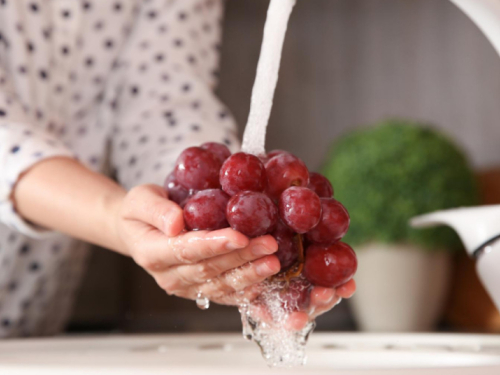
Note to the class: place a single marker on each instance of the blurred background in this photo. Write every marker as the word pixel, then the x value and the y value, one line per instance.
pixel 346 64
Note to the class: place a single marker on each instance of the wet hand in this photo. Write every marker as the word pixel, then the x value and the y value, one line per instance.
pixel 224 265
pixel 322 301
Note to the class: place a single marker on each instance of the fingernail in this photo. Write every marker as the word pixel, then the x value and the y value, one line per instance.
pixel 263 269
pixel 170 219
pixel 260 250
pixel 234 246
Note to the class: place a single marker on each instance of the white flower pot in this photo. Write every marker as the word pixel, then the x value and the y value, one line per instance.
pixel 400 287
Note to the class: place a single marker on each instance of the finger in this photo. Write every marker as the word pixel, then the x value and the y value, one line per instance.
pixel 297 321
pixel 323 299
pixel 240 278
pixel 213 267
pixel 189 248
pixel 321 296
pixel 260 313
pixel 245 296
pixel 150 204
pixel 242 297
pixel 321 309
pixel 347 290
pixel 196 246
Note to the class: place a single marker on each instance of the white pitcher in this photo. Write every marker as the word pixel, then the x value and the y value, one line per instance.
pixel 479 229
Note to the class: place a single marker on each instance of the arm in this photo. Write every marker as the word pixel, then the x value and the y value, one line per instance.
pixel 62 194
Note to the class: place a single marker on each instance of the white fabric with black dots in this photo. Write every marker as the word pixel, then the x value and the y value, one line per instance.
pixel 132 80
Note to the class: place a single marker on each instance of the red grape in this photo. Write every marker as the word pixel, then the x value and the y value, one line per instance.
pixel 333 225
pixel 197 169
pixel 300 208
pixel 296 296
pixel 190 195
pixel 285 170
pixel 217 190
pixel 272 154
pixel 243 172
pixel 330 266
pixel 218 149
pixel 251 213
pixel 176 192
pixel 288 250
pixel 320 185
pixel 206 210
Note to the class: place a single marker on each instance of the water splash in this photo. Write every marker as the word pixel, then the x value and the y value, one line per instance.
pixel 265 320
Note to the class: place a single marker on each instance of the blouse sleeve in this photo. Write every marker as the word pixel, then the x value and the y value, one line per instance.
pixel 22 144
pixel 161 99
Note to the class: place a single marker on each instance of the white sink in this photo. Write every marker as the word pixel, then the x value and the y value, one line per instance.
pixel 331 353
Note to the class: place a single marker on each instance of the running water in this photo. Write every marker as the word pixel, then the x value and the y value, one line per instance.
pixel 265 318
pixel 265 322
pixel 266 78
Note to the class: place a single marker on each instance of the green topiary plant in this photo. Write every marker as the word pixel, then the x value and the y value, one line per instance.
pixel 399 169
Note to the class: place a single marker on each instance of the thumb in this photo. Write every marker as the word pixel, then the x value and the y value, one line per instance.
pixel 150 204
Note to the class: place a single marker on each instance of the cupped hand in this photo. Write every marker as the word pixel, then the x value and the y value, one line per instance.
pixel 224 264
pixel 322 301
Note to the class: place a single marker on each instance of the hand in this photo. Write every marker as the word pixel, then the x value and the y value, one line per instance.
pixel 151 229
pixel 322 301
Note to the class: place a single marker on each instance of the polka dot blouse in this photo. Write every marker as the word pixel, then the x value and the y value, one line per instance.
pixel 120 85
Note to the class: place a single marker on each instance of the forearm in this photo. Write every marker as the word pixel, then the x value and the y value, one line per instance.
pixel 63 195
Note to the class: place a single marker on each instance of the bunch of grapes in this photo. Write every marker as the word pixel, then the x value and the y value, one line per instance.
pixel 272 194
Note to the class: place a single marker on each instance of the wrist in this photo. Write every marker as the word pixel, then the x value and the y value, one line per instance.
pixel 112 202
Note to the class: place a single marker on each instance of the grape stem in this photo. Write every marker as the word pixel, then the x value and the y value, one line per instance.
pixel 297 268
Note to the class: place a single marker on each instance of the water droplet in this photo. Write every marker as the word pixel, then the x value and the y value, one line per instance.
pixel 202 302
pixel 247 329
